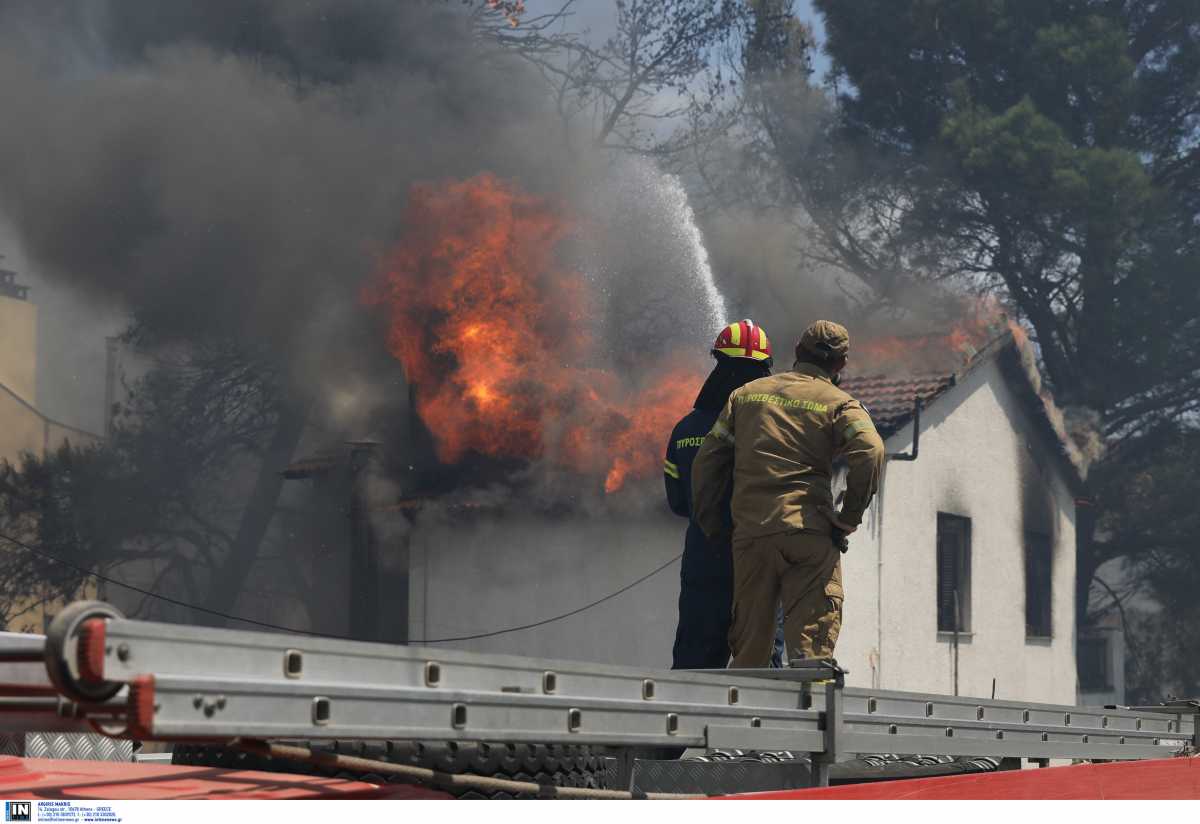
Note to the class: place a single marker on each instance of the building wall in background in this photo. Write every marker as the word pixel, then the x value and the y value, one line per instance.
pixel 979 458
pixel 1102 664
pixel 482 573
pixel 20 426
pixel 18 346
pixel 23 429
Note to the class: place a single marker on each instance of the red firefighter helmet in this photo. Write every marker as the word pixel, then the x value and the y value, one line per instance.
pixel 744 339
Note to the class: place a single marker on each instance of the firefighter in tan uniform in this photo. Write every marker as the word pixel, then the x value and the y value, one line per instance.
pixel 776 442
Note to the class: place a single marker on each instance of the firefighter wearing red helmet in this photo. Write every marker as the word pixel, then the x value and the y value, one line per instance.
pixel 774 445
pixel 744 340
pixel 743 354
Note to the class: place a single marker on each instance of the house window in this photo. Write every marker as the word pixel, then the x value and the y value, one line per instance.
pixel 1038 554
pixel 1094 672
pixel 953 573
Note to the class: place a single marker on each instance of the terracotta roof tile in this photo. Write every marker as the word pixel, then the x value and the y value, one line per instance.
pixel 890 399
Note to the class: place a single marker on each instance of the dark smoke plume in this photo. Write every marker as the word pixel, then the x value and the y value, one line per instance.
pixel 234 168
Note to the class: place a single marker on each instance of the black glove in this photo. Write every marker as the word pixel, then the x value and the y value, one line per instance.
pixel 841 539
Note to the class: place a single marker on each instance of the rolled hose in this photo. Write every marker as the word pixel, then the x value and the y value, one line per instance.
pixel 62 652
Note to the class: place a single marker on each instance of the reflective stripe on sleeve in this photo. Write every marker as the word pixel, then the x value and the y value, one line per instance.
pixel 671 469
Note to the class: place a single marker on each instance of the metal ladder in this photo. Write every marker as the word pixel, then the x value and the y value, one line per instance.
pixel 98 671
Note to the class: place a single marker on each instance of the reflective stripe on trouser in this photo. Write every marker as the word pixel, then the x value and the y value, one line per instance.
pixel 801 569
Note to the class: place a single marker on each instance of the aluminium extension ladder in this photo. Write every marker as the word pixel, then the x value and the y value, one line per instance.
pixel 97 671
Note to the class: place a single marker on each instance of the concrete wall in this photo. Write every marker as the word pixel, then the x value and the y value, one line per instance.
pixel 979 458
pixel 20 427
pixel 18 347
pixel 491 572
pixel 24 429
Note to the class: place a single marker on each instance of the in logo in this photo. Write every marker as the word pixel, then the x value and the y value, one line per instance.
pixel 18 810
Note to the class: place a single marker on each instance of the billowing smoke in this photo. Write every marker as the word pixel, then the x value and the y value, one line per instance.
pixel 243 169
pixel 238 168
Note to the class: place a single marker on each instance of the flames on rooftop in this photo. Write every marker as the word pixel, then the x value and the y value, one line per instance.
pixel 943 351
pixel 497 338
pixel 499 341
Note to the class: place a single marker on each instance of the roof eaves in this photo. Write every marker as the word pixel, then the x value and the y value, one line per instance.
pixel 1009 352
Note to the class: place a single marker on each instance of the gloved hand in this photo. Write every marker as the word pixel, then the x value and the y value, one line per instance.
pixel 840 530
pixel 841 540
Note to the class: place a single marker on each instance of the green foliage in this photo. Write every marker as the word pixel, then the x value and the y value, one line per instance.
pixel 1163 655
pixel 75 501
pixel 161 497
pixel 1149 501
pixel 1025 143
pixel 1049 152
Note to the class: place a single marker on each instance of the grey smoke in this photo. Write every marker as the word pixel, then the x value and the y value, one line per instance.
pixel 237 168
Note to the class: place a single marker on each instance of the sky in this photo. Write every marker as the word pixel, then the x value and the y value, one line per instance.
pixel 598 18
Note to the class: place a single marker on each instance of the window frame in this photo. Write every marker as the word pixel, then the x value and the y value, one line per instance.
pixel 1108 679
pixel 1039 547
pixel 956 528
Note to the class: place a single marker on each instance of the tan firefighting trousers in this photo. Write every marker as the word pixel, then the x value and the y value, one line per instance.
pixel 804 571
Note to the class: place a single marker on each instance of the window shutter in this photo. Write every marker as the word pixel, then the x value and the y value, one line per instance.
pixel 947 574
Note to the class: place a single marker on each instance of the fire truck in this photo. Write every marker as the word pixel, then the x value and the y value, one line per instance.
pixel 273 715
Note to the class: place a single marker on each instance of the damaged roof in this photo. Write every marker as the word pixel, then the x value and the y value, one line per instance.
pixel 890 400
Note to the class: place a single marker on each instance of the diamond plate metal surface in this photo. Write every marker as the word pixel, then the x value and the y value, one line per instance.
pixel 719 777
pixel 74 746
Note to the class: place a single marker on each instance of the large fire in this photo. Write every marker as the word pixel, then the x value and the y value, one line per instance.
pixel 494 334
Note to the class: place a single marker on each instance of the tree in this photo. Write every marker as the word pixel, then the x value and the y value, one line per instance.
pixel 1049 152
pixel 1150 504
pixel 184 490
pixel 1042 150
pixel 657 71
pixel 771 69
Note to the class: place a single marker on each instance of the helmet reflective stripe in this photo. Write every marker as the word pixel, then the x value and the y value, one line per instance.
pixel 743 340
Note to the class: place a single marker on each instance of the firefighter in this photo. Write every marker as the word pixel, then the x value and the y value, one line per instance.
pixel 774 444
pixel 743 354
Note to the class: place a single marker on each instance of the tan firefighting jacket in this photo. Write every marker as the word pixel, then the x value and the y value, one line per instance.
pixel 776 442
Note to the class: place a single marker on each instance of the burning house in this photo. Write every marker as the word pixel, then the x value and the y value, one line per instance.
pixel 962 575
pixel 526 515
pixel 307 176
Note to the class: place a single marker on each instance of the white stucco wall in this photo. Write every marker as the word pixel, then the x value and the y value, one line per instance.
pixel 979 458
pixel 484 573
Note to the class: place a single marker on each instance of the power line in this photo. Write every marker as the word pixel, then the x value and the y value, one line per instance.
pixel 608 597
pixel 167 599
pixel 160 597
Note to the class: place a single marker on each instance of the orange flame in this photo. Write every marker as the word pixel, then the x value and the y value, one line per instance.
pixel 948 350
pixel 492 332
